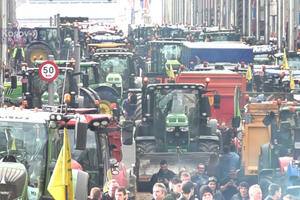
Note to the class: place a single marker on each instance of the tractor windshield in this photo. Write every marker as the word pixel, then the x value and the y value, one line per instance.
pixel 114 70
pixel 27 143
pixel 114 65
pixel 293 61
pixel 176 101
pixel 39 89
pixel 162 53
pixel 175 105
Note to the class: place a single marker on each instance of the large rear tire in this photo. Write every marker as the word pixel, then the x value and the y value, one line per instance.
pixel 145 147
pixel 209 146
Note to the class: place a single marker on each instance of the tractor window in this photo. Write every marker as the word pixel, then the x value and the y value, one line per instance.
pixel 176 101
pixel 27 143
pixel 87 158
pixel 39 89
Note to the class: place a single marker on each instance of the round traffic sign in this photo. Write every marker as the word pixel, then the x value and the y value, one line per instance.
pixel 48 71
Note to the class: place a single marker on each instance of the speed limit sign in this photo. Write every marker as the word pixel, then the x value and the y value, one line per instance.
pixel 48 71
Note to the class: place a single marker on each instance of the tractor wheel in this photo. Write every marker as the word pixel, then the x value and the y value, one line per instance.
pixel 37 50
pixel 145 147
pixel 209 146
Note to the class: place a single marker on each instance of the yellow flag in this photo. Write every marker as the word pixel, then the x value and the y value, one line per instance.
pixel 172 75
pixel 249 74
pixel 13 145
pixel 108 178
pixel 61 178
pixel 292 83
pixel 285 62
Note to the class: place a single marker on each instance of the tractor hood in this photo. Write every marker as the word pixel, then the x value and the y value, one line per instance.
pixel 174 119
pixel 13 180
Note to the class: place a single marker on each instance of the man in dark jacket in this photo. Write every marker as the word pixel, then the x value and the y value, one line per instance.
pixel 164 175
pixel 243 192
pixel 188 189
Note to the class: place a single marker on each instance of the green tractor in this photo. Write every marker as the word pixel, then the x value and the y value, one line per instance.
pixel 29 148
pixel 165 60
pixel 175 127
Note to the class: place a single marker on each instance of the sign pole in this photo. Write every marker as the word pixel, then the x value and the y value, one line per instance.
pixel 51 87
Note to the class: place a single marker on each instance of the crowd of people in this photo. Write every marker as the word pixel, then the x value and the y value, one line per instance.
pixel 198 186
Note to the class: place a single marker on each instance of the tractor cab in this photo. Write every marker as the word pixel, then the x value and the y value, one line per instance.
pixel 165 59
pixel 30 145
pixel 175 127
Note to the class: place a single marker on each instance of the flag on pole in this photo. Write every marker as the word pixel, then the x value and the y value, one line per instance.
pixel 237 111
pixel 249 74
pixel 292 83
pixel 61 185
pixel 285 62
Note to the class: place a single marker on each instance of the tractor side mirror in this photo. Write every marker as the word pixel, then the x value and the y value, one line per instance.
pixel 205 107
pixel 80 135
pixel 14 82
pixel 85 80
pixel 217 101
pixel 236 122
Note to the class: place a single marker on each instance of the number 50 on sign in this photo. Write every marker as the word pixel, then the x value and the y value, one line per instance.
pixel 48 71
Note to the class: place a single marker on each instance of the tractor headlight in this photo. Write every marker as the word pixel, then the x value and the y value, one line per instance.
pixel 184 129
pixel 96 123
pixel 170 129
pixel 104 123
pixel 58 117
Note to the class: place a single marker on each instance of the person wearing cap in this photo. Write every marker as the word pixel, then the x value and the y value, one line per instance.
pixel 200 177
pixel 164 175
pixel 188 189
pixel 243 192
pixel 274 192
pixel 205 193
pixel 212 184
pixel 176 189
pixel 159 191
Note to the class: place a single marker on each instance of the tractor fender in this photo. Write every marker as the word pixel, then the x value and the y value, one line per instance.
pixel 107 92
pixel 89 98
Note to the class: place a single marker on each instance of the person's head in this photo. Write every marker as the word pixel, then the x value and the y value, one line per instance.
pixel 205 193
pixel 233 174
pixel 112 186
pixel 212 183
pixel 164 165
pixel 185 176
pixel 201 168
pixel 275 191
pixel 120 193
pixel 243 189
pixel 188 188
pixel 176 185
pixel 159 191
pixel 255 192
pixel 95 193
